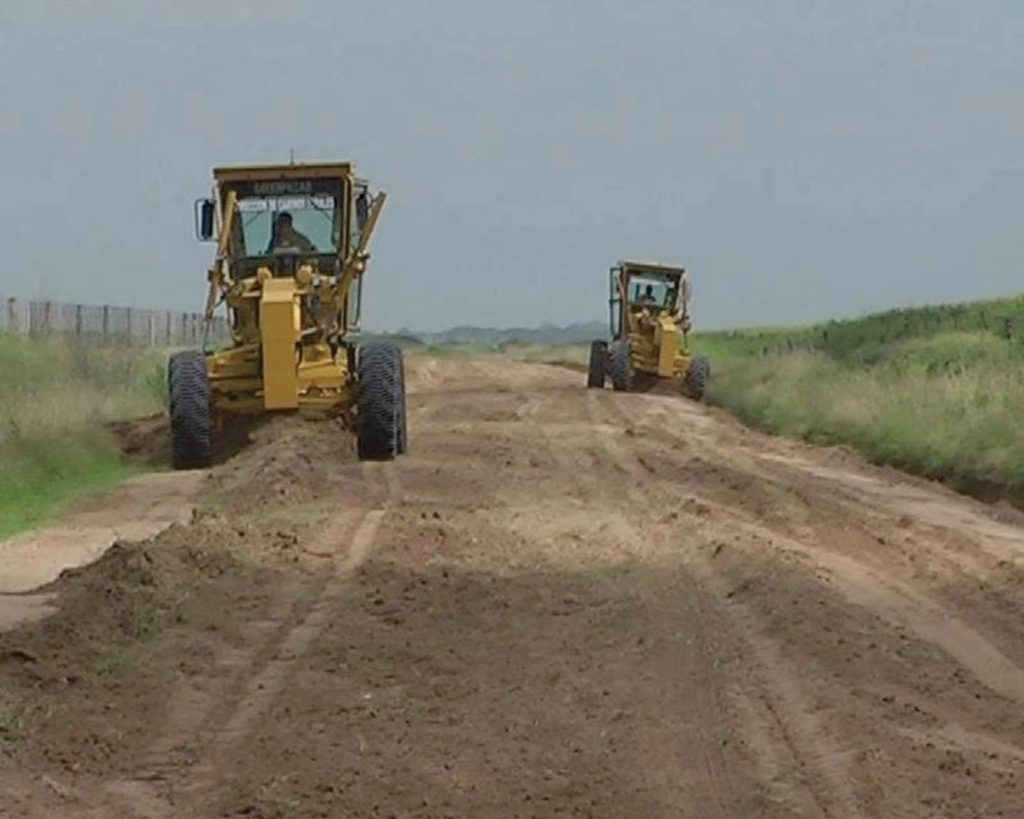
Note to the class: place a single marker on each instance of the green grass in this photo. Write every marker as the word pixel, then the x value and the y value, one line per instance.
pixel 864 340
pixel 54 401
pixel 937 391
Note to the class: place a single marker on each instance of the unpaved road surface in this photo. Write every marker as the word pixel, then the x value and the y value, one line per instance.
pixel 561 603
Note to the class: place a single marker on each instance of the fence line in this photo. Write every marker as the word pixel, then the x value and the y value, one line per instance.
pixel 106 323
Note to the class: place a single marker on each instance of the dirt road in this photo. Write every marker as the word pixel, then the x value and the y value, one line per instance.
pixel 561 603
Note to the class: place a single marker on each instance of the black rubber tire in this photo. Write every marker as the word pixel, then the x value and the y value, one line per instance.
pixel 403 429
pixel 597 370
pixel 620 365
pixel 381 401
pixel 191 417
pixel 696 380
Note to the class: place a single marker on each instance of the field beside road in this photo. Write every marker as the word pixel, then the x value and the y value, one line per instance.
pixel 561 602
pixel 936 391
pixel 56 399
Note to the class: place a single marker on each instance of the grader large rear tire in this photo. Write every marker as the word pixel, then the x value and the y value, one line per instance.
pixel 189 392
pixel 597 370
pixel 696 379
pixel 621 365
pixel 381 401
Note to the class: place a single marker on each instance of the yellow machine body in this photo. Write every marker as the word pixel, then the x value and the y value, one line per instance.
pixel 280 325
pixel 658 325
pixel 291 302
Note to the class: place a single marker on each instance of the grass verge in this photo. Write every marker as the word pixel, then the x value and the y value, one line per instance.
pixel 55 399
pixel 944 404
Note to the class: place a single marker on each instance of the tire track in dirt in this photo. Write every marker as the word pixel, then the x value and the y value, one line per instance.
pixel 959 535
pixel 904 581
pixel 551 420
pixel 908 608
pixel 217 721
pixel 827 777
pixel 717 780
pixel 905 607
pixel 898 601
pixel 720 698
pixel 825 790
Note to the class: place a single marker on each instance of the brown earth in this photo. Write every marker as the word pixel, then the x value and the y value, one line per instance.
pixel 561 603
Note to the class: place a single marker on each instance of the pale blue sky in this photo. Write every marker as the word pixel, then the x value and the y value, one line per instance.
pixel 802 158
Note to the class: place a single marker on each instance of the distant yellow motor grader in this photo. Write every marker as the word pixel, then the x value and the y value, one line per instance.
pixel 649 306
pixel 292 248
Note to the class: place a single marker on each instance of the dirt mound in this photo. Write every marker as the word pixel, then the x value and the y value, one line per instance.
pixel 129 630
pixel 292 458
pixel 147 440
pixel 129 594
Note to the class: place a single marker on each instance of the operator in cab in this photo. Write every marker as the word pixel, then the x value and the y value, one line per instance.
pixel 286 238
pixel 648 296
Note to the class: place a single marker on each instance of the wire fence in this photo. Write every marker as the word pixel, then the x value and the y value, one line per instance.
pixel 107 324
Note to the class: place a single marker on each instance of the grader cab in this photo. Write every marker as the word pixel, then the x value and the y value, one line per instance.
pixel 292 249
pixel 649 306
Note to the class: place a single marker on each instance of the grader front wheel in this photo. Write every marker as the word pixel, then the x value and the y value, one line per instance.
pixel 596 371
pixel 381 402
pixel 695 382
pixel 621 365
pixel 189 388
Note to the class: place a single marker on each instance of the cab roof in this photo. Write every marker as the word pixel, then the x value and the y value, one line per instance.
pixel 298 170
pixel 655 268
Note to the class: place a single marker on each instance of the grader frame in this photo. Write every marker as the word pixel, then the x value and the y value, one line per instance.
pixel 291 308
pixel 649 330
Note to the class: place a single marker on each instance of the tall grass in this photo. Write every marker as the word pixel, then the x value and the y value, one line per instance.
pixel 55 398
pixel 865 340
pixel 945 405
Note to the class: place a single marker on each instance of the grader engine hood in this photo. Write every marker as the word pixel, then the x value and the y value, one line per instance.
pixel 280 324
pixel 666 339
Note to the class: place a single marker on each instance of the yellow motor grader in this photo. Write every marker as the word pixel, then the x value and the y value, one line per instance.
pixel 292 248
pixel 649 306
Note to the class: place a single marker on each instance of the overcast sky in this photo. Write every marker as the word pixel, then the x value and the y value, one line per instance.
pixel 803 158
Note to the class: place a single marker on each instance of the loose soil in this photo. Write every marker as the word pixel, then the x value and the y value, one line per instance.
pixel 561 602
